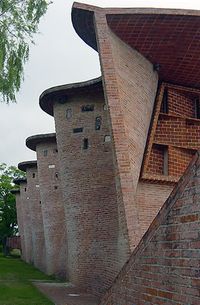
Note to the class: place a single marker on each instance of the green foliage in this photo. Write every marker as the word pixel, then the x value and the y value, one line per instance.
pixel 19 20
pixel 8 218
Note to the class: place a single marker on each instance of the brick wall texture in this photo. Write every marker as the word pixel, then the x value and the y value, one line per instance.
pixel 164 268
pixel 36 220
pixel 130 87
pixel 52 209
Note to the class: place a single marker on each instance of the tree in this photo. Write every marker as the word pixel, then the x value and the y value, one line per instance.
pixel 8 217
pixel 19 20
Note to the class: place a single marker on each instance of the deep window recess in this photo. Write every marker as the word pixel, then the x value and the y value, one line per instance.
pixel 45 152
pixel 196 108
pixel 33 175
pixel 164 106
pixel 105 107
pixel 85 143
pixel 40 202
pixel 25 189
pixel 68 113
pixel 165 161
pixel 98 123
pixel 55 150
pixel 56 175
pixel 77 130
pixel 87 108
pixel 107 138
pixel 55 187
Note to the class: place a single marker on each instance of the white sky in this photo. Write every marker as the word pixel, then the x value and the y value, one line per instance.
pixel 58 57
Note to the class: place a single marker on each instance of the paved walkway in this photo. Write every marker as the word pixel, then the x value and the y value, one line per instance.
pixel 65 294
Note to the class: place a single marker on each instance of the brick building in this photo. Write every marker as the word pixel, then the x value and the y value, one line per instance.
pixel 51 202
pixel 123 142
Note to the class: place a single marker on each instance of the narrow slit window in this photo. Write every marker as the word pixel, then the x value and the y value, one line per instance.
pixel 45 152
pixel 85 143
pixel 98 123
pixel 68 113
pixel 165 162
pixel 33 175
pixel 196 108
pixel 25 189
pixel 164 106
pixel 56 175
pixel 55 150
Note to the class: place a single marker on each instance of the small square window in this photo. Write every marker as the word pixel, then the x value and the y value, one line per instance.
pixel 107 138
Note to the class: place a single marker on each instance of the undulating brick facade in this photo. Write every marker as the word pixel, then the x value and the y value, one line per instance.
pixel 87 176
pixel 122 143
pixel 51 203
pixel 164 268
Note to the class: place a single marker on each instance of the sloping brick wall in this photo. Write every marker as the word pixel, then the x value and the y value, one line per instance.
pixel 164 268
pixel 130 85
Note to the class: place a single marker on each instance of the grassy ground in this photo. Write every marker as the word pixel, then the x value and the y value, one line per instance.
pixel 15 283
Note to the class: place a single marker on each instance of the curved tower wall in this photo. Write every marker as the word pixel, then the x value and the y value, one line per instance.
pixel 96 252
pixel 52 209
pixel 37 229
pixel 20 222
pixel 25 196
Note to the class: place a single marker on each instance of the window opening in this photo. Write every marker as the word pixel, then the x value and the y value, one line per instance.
pixel 87 108
pixel 55 150
pixel 107 138
pixel 56 175
pixel 165 162
pixel 164 106
pixel 98 123
pixel 25 189
pixel 55 187
pixel 85 143
pixel 33 175
pixel 105 107
pixel 45 152
pixel 68 113
pixel 77 130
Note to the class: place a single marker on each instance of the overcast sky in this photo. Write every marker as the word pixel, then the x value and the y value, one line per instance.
pixel 58 57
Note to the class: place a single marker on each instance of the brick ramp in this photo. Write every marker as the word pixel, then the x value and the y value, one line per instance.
pixel 65 294
pixel 164 268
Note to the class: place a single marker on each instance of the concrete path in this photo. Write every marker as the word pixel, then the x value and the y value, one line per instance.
pixel 65 294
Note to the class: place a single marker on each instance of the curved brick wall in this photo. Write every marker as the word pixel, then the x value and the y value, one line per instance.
pixel 36 218
pixel 52 208
pixel 20 221
pixel 96 252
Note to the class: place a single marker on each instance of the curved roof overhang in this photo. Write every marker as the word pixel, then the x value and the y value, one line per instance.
pixel 168 38
pixel 15 191
pixel 62 93
pixel 27 164
pixel 33 141
pixel 18 181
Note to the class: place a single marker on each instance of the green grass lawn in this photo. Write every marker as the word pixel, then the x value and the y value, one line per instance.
pixel 15 283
